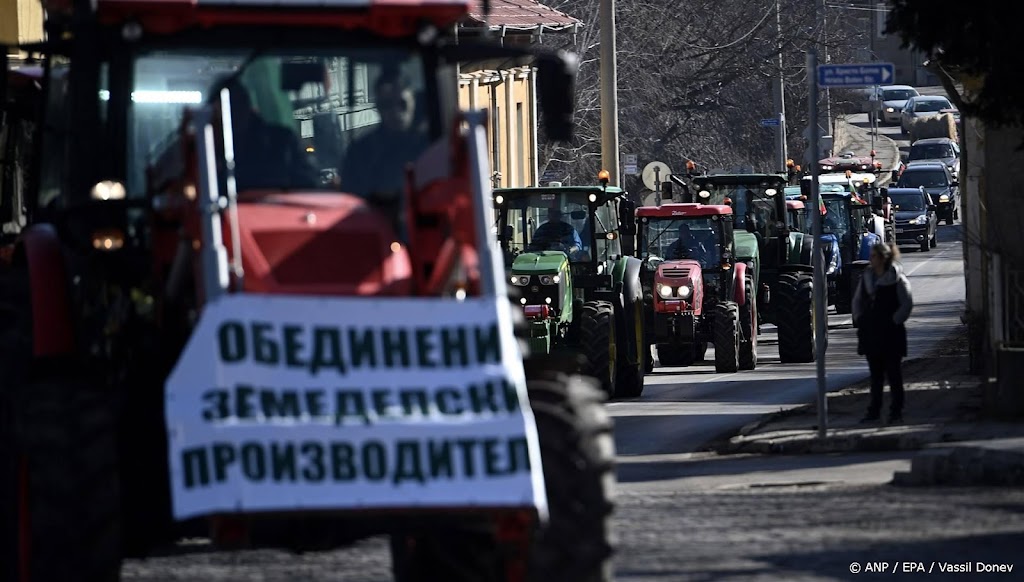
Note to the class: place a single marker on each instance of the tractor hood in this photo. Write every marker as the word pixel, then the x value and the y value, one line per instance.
pixel 746 245
pixel 303 244
pixel 540 262
pixel 678 286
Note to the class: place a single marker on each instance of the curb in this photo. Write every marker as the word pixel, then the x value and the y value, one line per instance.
pixel 964 465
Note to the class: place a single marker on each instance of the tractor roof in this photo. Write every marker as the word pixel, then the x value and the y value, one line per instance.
pixel 741 179
pixel 386 17
pixel 674 210
pixel 603 194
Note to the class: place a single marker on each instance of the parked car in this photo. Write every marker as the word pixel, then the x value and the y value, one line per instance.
pixel 916 222
pixel 941 149
pixel 889 101
pixel 923 106
pixel 940 184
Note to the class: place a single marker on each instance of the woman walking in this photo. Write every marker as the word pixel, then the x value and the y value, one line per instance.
pixel 881 306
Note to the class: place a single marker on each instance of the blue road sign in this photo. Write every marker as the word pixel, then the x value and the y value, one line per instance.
pixel 770 122
pixel 855 75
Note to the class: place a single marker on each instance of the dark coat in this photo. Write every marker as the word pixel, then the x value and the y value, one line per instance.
pixel 881 307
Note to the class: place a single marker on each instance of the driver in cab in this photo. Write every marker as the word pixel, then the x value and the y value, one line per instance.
pixel 556 232
pixel 687 246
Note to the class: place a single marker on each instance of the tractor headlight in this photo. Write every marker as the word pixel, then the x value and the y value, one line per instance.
pixel 923 219
pixel 520 280
pixel 549 279
pixel 944 198
pixel 664 291
pixel 683 291
pixel 704 194
pixel 826 167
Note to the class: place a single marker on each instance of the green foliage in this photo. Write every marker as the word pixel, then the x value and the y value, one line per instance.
pixel 968 41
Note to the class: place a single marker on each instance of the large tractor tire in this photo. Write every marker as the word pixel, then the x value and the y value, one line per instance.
pixel 794 302
pixel 578 455
pixel 630 380
pixel 674 355
pixel 597 339
pixel 748 328
pixel 578 459
pixel 726 326
pixel 60 503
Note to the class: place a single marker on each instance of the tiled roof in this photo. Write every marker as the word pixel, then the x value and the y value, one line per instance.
pixel 521 15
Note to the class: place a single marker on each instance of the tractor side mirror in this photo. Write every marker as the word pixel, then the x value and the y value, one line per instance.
pixel 556 83
pixel 752 223
pixel 666 191
pixel 627 217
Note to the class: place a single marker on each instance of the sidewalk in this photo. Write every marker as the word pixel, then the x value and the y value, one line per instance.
pixel 942 420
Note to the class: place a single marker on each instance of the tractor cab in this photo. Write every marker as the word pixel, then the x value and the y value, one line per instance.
pixel 574 231
pixel 847 237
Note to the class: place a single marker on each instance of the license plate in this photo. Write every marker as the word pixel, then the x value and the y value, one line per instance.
pixel 899 230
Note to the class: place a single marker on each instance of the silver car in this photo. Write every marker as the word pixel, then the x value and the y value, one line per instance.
pixel 889 100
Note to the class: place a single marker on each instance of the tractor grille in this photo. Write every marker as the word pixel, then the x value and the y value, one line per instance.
pixel 677 272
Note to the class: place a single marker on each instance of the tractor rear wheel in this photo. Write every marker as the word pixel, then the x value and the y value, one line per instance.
pixel 726 324
pixel 701 349
pixel 793 297
pixel 597 338
pixel 748 328
pixel 675 355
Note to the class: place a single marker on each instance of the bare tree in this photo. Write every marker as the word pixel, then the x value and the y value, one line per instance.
pixel 695 78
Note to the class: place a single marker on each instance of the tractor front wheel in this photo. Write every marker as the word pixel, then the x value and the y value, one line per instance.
pixel 597 337
pixel 630 380
pixel 748 328
pixel 726 324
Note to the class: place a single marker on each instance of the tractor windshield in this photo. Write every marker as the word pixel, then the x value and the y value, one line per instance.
pixel 836 219
pixel 320 119
pixel 696 237
pixel 746 198
pixel 551 221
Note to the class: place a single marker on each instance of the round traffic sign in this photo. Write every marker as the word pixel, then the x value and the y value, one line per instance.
pixel 654 170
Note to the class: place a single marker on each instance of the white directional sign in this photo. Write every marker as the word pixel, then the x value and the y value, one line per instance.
pixel 855 75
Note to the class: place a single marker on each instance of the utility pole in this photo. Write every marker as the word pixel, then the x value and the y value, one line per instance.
pixel 609 95
pixel 823 21
pixel 781 151
pixel 820 298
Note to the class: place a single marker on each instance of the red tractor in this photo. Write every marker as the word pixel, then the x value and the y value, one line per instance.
pixel 695 291
pixel 254 295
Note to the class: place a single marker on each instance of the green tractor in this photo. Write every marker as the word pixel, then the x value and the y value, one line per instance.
pixel 777 256
pixel 568 253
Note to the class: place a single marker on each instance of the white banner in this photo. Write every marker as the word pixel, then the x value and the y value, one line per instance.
pixel 285 403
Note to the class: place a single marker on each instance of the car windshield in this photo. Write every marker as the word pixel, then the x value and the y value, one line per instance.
pixel 693 237
pixel 908 201
pixel 926 178
pixel 556 221
pixel 897 94
pixel 317 119
pixel 932 105
pixel 930 151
